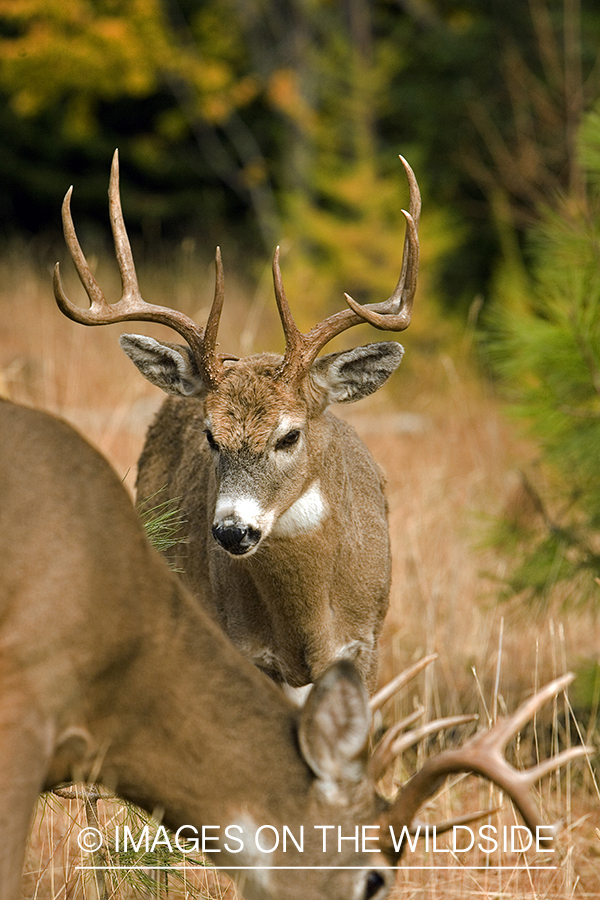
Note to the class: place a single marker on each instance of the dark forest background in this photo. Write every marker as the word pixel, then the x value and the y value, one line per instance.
pixel 252 123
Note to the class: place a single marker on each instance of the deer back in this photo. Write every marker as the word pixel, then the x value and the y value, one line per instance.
pixel 109 669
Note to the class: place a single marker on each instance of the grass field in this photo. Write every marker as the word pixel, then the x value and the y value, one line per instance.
pixel 451 458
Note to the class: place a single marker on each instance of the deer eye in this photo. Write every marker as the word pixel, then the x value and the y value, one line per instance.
pixel 288 440
pixel 210 439
pixel 373 885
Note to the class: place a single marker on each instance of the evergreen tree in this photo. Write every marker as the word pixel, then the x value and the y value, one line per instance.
pixel 548 353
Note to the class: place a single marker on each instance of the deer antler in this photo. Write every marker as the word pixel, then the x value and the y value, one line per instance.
pixel 131 306
pixel 482 755
pixel 392 315
pixel 301 349
pixel 393 743
pixel 399 681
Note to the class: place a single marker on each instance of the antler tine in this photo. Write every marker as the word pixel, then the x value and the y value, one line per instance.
pixel 98 304
pixel 131 291
pixel 409 740
pixel 399 681
pixel 505 729
pixel 482 755
pixel 131 306
pixel 294 339
pixel 392 744
pixel 393 315
pixel 381 758
pixel 210 363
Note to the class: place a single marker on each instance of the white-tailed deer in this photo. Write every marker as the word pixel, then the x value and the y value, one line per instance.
pixel 110 670
pixel 285 538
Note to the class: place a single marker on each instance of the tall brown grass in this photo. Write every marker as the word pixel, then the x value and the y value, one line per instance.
pixel 450 458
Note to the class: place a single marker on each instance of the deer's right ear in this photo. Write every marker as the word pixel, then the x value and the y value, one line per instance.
pixel 334 727
pixel 171 367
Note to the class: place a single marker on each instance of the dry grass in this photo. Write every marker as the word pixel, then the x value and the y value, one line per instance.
pixel 57 868
pixel 450 459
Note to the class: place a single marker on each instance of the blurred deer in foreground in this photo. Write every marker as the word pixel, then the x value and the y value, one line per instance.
pixel 110 671
pixel 286 537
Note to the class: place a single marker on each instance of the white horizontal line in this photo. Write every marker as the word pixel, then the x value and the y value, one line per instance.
pixel 211 868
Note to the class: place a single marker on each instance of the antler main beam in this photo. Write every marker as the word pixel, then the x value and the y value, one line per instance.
pixel 393 315
pixel 131 306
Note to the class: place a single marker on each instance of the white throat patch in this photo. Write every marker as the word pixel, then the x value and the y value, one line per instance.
pixel 306 514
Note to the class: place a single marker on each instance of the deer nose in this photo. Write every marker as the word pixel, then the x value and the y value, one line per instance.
pixel 236 539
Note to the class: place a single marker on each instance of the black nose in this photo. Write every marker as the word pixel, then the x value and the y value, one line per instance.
pixel 236 539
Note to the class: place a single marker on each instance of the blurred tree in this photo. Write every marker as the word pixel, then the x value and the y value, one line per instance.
pixel 493 92
pixel 79 78
pixel 341 198
pixel 242 121
pixel 549 357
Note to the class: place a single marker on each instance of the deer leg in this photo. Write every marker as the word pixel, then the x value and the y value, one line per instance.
pixel 24 756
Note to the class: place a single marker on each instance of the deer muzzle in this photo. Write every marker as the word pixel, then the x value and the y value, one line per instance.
pixel 236 538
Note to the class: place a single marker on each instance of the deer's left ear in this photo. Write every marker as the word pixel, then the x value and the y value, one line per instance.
pixel 334 726
pixel 171 367
pixel 354 374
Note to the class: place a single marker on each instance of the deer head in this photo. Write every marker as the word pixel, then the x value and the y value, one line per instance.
pixel 258 412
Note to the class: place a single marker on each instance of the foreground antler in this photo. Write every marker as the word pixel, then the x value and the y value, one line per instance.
pixel 483 755
pixel 394 741
pixel 131 306
pixel 393 315
pixel 396 684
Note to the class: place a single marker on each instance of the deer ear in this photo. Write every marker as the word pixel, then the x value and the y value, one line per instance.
pixel 171 367
pixel 334 726
pixel 354 374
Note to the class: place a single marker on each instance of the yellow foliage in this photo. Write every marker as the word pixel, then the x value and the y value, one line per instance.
pixel 108 49
pixel 284 93
pixel 79 121
pixel 245 90
pixel 254 173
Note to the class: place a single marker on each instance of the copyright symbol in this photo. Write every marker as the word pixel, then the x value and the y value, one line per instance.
pixel 89 840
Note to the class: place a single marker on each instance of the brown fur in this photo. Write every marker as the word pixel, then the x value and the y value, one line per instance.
pixel 297 599
pixel 108 666
pixel 310 600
